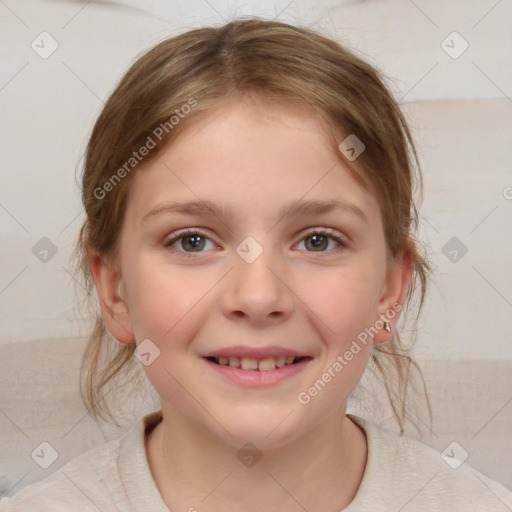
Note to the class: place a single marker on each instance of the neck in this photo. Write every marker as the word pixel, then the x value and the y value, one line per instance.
pixel 319 471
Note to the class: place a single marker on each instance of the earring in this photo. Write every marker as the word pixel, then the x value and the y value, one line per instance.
pixel 387 326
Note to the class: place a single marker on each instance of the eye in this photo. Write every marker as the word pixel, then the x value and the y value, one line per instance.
pixel 319 239
pixel 192 241
pixel 188 241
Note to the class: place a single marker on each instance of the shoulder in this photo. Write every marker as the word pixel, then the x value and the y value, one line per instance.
pixel 405 474
pixel 75 486
pixel 114 476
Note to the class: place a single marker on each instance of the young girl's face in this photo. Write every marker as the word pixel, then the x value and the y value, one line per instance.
pixel 250 276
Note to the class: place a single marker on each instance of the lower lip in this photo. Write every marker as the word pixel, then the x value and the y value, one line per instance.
pixel 258 378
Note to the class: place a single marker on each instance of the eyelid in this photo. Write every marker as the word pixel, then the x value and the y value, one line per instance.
pixel 324 231
pixel 183 231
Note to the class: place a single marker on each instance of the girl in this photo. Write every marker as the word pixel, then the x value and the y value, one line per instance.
pixel 249 232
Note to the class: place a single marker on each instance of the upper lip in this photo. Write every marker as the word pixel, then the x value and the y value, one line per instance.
pixel 255 352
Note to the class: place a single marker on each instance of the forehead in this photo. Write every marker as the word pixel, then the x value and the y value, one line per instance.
pixel 252 156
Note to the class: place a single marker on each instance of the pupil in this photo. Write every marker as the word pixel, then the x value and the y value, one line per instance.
pixel 318 240
pixel 196 241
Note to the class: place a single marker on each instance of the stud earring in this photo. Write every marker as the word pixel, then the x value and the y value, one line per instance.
pixel 387 326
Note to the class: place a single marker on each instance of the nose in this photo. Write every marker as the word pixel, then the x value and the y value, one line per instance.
pixel 258 292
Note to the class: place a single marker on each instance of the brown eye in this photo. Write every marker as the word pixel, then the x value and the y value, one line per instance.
pixel 188 242
pixel 194 242
pixel 319 242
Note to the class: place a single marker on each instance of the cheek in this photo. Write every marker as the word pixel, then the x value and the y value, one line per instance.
pixel 163 298
pixel 166 305
pixel 344 302
pixel 344 305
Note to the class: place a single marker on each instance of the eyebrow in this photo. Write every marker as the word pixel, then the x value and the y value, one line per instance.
pixel 293 209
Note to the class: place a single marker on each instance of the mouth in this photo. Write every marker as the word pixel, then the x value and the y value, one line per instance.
pixel 253 364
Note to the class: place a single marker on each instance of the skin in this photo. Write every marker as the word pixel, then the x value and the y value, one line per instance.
pixel 254 157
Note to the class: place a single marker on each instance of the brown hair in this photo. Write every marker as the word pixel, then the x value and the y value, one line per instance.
pixel 267 59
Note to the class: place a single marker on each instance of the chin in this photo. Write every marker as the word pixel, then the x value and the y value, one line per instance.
pixel 266 431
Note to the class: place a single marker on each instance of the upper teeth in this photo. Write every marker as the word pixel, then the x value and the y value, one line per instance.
pixel 248 363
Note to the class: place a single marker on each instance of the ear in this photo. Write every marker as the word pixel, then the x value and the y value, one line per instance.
pixel 394 291
pixel 110 288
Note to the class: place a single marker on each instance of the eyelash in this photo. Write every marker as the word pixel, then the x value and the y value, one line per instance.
pixel 312 231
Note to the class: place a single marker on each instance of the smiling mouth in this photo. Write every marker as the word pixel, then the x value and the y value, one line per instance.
pixel 249 363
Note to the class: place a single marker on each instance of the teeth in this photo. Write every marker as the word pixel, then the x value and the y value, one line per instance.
pixel 280 361
pixel 267 364
pixel 249 363
pixel 234 362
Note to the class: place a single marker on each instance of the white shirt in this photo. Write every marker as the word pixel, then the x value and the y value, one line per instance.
pixel 401 474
